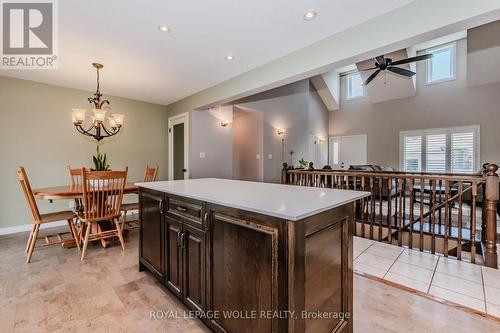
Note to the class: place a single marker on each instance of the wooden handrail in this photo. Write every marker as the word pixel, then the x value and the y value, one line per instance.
pixel 442 207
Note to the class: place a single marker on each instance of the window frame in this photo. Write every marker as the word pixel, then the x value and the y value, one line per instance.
pixel 453 47
pixel 433 131
pixel 348 97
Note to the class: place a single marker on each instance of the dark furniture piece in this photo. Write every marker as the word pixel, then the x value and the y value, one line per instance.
pixel 384 193
pixel 220 260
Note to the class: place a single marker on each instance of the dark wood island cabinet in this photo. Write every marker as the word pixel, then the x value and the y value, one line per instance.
pixel 252 257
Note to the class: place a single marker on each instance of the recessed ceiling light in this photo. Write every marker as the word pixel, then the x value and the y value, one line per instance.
pixel 164 28
pixel 229 57
pixel 309 15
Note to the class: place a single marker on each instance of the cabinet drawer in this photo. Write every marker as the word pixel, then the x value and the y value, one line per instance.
pixel 187 211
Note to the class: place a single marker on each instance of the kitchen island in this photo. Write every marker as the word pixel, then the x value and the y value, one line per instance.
pixel 252 257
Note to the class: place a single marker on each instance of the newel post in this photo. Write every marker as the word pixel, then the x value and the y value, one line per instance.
pixel 284 177
pixel 491 197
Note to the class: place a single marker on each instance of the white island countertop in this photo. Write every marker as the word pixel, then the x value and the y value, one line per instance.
pixel 283 201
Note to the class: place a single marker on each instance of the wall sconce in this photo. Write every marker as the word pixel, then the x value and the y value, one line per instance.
pixel 224 123
pixel 280 132
pixel 321 140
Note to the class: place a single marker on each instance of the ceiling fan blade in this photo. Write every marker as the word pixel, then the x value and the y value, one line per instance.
pixel 380 60
pixel 401 71
pixel 413 59
pixel 371 77
pixel 368 69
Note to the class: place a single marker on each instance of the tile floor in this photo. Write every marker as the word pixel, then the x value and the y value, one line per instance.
pixel 106 293
pixel 473 286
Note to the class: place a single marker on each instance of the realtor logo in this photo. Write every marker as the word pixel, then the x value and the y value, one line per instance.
pixel 28 34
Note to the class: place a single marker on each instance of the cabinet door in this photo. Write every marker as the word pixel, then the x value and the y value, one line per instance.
pixel 244 273
pixel 194 265
pixel 173 256
pixel 151 240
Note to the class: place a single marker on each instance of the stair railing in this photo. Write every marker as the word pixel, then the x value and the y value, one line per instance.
pixel 449 213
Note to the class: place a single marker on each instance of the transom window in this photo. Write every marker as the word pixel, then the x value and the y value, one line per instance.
pixel 454 149
pixel 441 67
pixel 355 88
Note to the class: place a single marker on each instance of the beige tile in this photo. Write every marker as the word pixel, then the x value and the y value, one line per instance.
pixel 492 295
pixel 412 272
pixel 491 277
pixel 460 269
pixel 458 285
pixel 407 282
pixel 420 259
pixel 457 298
pixel 362 244
pixel 493 309
pixel 374 261
pixel 385 250
pixel 362 268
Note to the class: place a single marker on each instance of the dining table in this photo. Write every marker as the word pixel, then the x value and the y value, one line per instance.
pixel 68 192
pixel 73 192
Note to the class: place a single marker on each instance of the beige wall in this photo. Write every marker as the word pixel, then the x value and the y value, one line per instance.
pixel 284 108
pixel 37 133
pixel 446 104
pixel 215 141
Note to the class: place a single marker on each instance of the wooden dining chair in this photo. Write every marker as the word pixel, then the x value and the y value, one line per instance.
pixel 102 200
pixel 75 176
pixel 38 219
pixel 150 174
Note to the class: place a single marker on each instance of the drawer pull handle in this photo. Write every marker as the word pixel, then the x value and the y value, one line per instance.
pixel 179 235
pixel 182 209
pixel 160 205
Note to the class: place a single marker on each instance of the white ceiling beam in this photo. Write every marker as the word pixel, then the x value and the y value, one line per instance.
pixel 328 87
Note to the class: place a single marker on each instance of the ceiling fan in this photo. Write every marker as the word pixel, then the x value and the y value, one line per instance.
pixel 382 63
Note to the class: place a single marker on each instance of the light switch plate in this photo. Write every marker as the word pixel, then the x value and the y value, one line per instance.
pixel 269 156
pixel 202 154
pixel 257 156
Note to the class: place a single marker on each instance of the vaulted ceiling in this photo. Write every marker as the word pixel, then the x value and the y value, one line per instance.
pixel 144 63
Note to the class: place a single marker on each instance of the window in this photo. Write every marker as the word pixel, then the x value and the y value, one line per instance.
pixel 453 149
pixel 441 67
pixel 413 153
pixel 355 88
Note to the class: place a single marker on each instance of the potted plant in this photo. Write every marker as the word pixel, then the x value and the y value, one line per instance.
pixel 302 163
pixel 100 163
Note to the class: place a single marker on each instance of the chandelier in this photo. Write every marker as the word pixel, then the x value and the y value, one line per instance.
pixel 97 128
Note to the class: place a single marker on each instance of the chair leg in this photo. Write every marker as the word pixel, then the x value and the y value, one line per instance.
pixel 119 232
pixel 86 240
pixel 33 242
pixel 73 233
pixel 30 238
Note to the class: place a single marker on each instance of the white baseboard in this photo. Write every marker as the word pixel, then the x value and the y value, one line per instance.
pixel 27 227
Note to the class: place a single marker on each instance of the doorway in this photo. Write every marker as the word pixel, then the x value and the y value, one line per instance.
pixel 248 145
pixel 178 147
pixel 348 150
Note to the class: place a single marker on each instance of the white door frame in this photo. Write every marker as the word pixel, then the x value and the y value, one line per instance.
pixel 174 120
pixel 339 139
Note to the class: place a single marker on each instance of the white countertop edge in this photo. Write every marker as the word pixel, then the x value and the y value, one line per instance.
pixel 250 209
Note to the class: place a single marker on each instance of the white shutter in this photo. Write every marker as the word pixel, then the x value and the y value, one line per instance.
pixel 435 153
pixel 462 152
pixel 413 153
